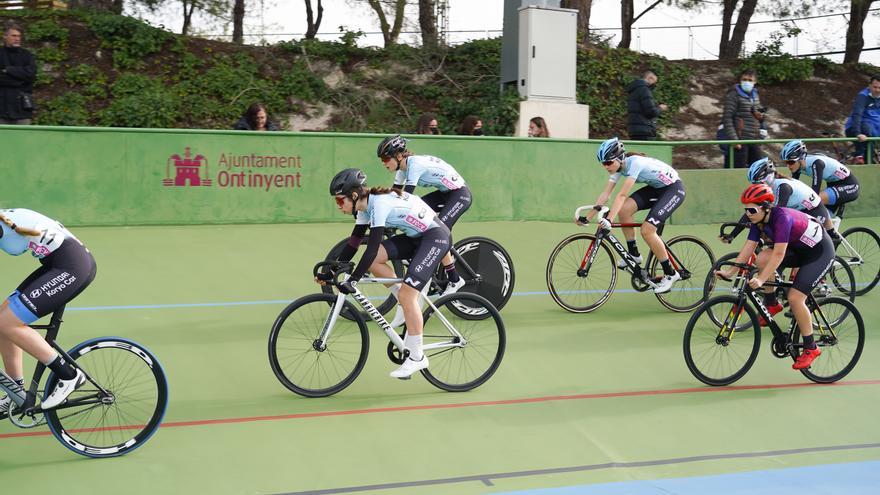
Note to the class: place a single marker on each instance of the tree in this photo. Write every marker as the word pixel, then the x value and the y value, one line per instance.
pixel 731 45
pixel 428 23
pixel 238 22
pixel 390 32
pixel 314 23
pixel 855 41
pixel 627 19
pixel 583 22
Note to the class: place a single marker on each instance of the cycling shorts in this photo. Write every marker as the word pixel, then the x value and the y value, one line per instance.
pixel 662 201
pixel 424 253
pixel 449 205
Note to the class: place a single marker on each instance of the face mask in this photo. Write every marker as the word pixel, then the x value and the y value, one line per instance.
pixel 747 86
pixel 478 132
pixel 434 130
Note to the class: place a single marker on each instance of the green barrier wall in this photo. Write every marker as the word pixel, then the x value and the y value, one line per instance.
pixel 102 176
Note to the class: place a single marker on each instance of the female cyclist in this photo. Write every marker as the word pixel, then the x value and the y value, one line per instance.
pixel 798 241
pixel 424 242
pixel 663 194
pixel 450 199
pixel 66 269
pixel 841 186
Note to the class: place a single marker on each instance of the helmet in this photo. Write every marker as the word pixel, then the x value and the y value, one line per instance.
pixel 793 150
pixel 759 194
pixel 390 146
pixel 611 149
pixel 347 181
pixel 760 170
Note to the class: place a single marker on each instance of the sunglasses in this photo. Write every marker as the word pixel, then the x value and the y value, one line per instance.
pixel 790 162
pixel 608 163
pixel 340 200
pixel 751 210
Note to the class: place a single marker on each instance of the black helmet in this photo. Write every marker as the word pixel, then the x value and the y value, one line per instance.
pixel 391 146
pixel 347 181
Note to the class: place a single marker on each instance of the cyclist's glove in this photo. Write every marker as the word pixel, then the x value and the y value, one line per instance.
pixel 604 224
pixel 346 286
pixel 583 220
pixel 325 276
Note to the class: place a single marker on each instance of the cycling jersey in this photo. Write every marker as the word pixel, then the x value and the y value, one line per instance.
pixel 429 171
pixel 52 233
pixel 646 170
pixel 406 212
pixel 821 167
pixel 800 196
pixel 786 225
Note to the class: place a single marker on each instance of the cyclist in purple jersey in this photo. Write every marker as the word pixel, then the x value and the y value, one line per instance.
pixel 798 241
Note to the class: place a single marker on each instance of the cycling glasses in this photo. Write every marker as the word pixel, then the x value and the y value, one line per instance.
pixel 340 200
pixel 751 210
pixel 608 163
pixel 790 162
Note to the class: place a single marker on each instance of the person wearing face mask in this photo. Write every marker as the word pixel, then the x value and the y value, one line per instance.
pixel 471 126
pixel 642 110
pixel 428 125
pixel 742 118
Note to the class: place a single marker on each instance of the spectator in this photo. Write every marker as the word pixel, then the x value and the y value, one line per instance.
pixel 538 128
pixel 18 71
pixel 864 121
pixel 743 118
pixel 471 126
pixel 256 118
pixel 642 110
pixel 428 124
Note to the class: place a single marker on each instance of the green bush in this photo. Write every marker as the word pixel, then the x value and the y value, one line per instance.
pixel 130 39
pixel 69 108
pixel 49 54
pixel 88 77
pixel 772 65
pixel 151 109
pixel 47 30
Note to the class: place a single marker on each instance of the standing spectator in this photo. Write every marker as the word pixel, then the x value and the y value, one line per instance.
pixel 428 124
pixel 18 71
pixel 538 128
pixel 642 110
pixel 471 126
pixel 743 118
pixel 256 118
pixel 864 121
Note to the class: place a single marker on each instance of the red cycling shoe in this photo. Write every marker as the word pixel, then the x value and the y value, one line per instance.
pixel 806 358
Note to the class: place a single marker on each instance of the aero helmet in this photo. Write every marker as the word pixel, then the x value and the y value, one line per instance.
pixel 759 194
pixel 611 149
pixel 391 146
pixel 794 150
pixel 347 181
pixel 760 170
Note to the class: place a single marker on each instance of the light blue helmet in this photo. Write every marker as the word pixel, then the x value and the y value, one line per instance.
pixel 760 170
pixel 794 150
pixel 611 149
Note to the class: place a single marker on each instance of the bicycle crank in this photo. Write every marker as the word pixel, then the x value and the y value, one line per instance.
pixel 395 354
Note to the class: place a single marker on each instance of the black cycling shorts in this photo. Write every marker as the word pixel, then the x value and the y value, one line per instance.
pixel 662 201
pixel 820 213
pixel 63 275
pixel 449 205
pixel 424 253
pixel 843 191
pixel 812 263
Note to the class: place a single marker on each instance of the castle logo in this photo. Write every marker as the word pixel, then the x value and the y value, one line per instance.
pixel 188 171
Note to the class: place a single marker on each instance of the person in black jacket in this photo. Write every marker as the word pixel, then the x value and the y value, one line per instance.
pixel 642 110
pixel 742 118
pixel 256 118
pixel 18 71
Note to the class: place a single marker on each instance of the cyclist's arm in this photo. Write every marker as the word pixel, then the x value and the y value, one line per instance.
pixel 743 223
pixel 375 240
pixel 818 169
pixel 602 199
pixel 409 188
pixel 858 109
pixel 354 242
pixel 621 197
pixel 783 195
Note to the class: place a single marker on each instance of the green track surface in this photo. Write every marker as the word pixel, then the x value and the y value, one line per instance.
pixel 217 367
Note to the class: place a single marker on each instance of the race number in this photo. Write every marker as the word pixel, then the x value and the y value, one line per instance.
pixel 813 234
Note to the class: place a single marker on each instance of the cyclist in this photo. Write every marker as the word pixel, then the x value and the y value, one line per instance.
pixel 798 241
pixel 67 268
pixel 424 241
pixel 663 194
pixel 450 200
pixel 841 186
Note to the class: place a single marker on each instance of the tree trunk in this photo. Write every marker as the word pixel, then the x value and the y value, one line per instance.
pixel 726 17
pixel 189 6
pixel 742 25
pixel 428 23
pixel 313 23
pixel 390 32
pixel 855 39
pixel 626 22
pixel 238 22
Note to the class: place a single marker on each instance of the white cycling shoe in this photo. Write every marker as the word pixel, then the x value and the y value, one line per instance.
pixel 452 288
pixel 665 284
pixel 621 263
pixel 409 367
pixel 63 389
pixel 5 402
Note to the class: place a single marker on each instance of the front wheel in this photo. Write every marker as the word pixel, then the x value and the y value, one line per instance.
pixel 93 424
pixel 692 259
pixel 581 273
pixel 839 331
pixel 861 251
pixel 720 350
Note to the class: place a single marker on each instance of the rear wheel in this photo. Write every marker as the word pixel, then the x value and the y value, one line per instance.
pixel 692 259
pixel 861 252
pixel 719 351
pixel 491 263
pixel 581 273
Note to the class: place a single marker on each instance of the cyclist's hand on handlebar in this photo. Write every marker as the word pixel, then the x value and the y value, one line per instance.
pixel 756 282
pixel 346 286
pixel 604 224
pixel 324 277
pixel 725 274
pixel 726 239
pixel 581 220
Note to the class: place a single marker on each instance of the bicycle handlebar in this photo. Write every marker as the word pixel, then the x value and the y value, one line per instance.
pixel 751 269
pixel 335 268
pixel 730 225
pixel 602 209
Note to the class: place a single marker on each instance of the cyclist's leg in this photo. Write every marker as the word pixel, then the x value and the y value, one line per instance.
pixel 455 203
pixel 813 266
pixel 398 247
pixel 669 199
pixel 639 200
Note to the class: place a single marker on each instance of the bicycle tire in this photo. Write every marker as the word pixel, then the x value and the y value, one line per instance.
pixel 374 292
pixel 706 350
pixel 840 352
pixel 138 386
pixel 714 286
pixel 572 291
pixel 865 259
pixel 459 369
pixel 697 259
pixel 291 347
pixel 492 262
pixel 842 279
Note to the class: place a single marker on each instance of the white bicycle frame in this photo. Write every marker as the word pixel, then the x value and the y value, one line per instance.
pixel 375 315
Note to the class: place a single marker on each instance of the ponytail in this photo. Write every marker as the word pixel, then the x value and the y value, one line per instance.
pixel 383 190
pixel 634 153
pixel 17 228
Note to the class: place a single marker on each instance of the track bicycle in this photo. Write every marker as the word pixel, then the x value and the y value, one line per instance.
pixel 582 273
pixel 722 337
pixel 860 249
pixel 119 407
pixel 485 266
pixel 315 353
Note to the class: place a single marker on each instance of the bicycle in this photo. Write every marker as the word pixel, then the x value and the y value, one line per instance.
pixel 485 266
pixel 719 351
pixel 316 354
pixel 860 249
pixel 575 279
pixel 120 406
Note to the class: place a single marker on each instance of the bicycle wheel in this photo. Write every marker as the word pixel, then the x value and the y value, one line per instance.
pixel 714 286
pixel 720 353
pixel 294 354
pixel 581 273
pixel 101 426
pixel 458 365
pixel 839 332
pixel 861 251
pixel 693 260
pixel 839 280
pixel 377 293
pixel 492 263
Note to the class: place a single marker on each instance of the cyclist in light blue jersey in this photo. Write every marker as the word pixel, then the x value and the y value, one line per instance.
pixel 66 268
pixel 424 241
pixel 841 186
pixel 663 194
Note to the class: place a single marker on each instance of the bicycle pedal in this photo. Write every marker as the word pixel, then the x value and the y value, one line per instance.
pixel 405 377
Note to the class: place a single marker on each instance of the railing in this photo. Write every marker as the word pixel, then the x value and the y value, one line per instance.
pixel 32 4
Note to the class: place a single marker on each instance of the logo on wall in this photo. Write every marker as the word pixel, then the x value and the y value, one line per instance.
pixel 188 171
